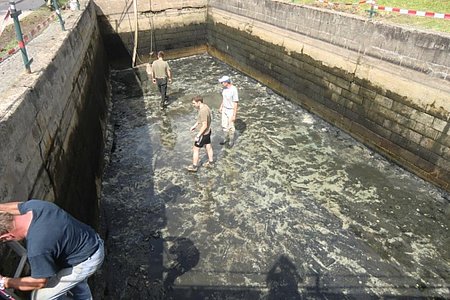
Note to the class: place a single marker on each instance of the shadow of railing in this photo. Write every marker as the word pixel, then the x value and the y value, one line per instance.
pixel 283 281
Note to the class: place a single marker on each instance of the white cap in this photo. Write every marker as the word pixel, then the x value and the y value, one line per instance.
pixel 225 79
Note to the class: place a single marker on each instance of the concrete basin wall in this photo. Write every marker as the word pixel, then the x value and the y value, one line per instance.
pixel 161 25
pixel 415 49
pixel 399 111
pixel 52 122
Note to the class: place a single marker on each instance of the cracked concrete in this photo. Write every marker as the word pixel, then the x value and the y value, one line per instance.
pixel 296 209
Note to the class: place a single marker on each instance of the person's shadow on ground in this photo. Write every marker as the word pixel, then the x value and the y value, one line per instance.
pixel 170 257
pixel 185 256
pixel 282 280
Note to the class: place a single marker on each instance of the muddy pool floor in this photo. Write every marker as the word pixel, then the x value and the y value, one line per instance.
pixel 296 209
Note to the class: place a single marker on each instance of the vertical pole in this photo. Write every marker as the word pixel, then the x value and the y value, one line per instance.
pixel 371 11
pixel 372 8
pixel 58 12
pixel 19 36
pixel 133 62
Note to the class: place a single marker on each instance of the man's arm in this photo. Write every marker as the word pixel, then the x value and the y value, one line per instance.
pixel 10 207
pixel 169 75
pixel 24 283
pixel 235 99
pixel 235 106
pixel 153 74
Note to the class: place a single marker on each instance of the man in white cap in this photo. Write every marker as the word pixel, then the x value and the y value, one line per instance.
pixel 228 108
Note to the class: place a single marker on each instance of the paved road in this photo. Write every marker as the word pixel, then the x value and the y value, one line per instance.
pixel 23 5
pixel 26 6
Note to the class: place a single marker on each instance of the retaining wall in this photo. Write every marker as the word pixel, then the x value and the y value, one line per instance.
pixel 162 25
pixel 399 111
pixel 52 122
pixel 415 49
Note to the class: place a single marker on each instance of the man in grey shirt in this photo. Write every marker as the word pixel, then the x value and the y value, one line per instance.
pixel 161 74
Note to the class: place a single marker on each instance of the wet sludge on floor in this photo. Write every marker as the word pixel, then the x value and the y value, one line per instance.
pixel 295 209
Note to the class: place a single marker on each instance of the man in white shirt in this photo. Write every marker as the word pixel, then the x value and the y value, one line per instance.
pixel 228 108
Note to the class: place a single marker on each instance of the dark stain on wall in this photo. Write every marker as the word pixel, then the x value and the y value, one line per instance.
pixel 75 174
pixel 119 45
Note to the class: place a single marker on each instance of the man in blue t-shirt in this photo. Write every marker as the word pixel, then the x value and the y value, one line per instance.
pixel 62 251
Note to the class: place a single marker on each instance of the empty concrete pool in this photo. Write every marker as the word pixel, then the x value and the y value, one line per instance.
pixel 296 208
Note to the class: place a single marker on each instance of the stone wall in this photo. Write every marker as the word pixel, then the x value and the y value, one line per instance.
pixel 414 49
pixel 162 25
pixel 397 110
pixel 54 126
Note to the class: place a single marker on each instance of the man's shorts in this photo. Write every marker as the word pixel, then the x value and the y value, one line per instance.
pixel 203 140
pixel 227 113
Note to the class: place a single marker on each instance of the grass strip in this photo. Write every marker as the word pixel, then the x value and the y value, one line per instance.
pixel 439 25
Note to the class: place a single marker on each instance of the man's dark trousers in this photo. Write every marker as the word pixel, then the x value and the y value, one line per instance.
pixel 162 86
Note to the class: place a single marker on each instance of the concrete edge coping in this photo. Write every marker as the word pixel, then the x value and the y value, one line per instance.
pixel 42 49
pixel 423 89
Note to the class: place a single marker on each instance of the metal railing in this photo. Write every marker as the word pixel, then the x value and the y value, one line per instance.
pixel 22 252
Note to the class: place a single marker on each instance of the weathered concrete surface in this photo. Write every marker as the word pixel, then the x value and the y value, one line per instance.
pixel 160 25
pixel 108 8
pixel 415 49
pixel 296 209
pixel 51 120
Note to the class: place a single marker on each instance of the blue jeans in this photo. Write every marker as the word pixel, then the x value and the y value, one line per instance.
pixel 73 280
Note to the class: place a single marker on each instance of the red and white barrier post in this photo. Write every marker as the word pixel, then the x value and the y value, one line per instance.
pixel 15 15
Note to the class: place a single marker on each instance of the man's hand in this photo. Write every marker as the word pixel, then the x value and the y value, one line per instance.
pixel 198 138
pixel 154 80
pixel 170 80
pixel 24 283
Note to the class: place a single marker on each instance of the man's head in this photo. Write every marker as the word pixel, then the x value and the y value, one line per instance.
pixel 197 100
pixel 225 80
pixel 6 226
pixel 160 54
